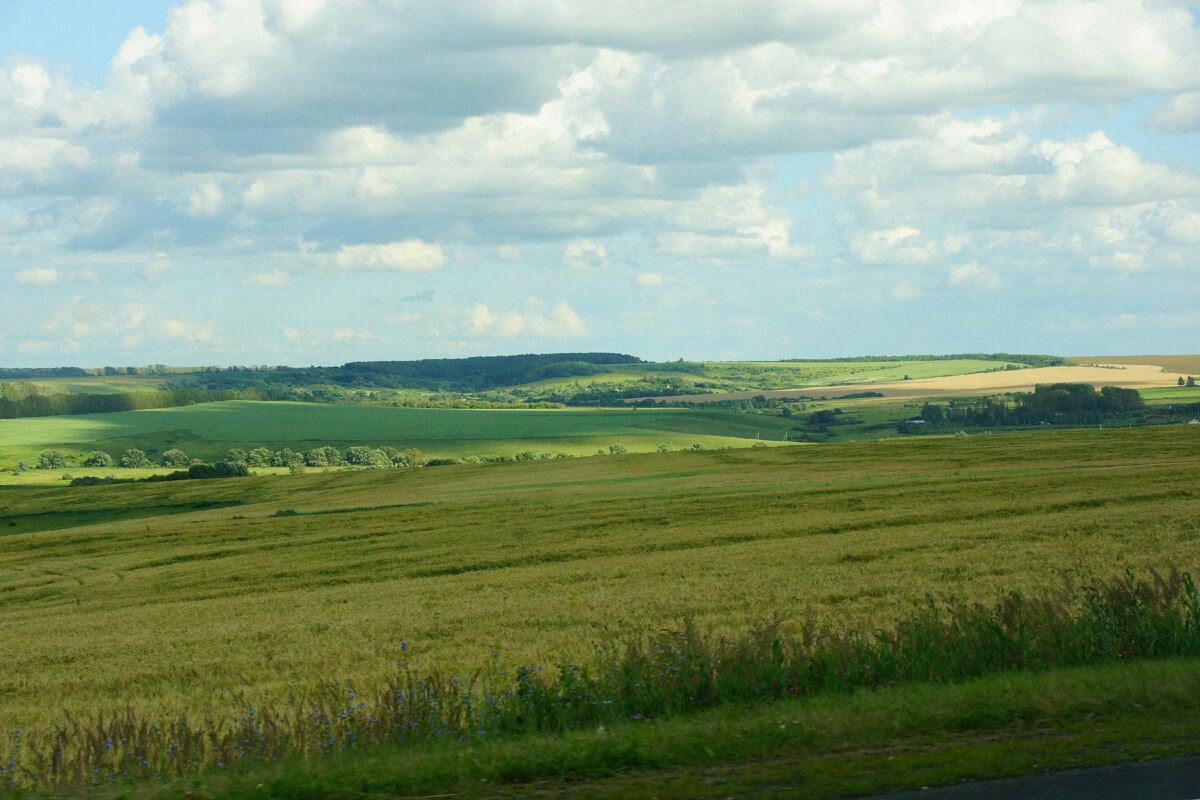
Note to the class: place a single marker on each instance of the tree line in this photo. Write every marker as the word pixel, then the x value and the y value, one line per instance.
pixel 1047 404
pixel 19 400
pixel 474 374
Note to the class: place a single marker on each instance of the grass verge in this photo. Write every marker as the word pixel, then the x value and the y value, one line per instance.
pixel 658 676
pixel 837 746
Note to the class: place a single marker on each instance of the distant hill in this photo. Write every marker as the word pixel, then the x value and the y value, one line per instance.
pixel 474 374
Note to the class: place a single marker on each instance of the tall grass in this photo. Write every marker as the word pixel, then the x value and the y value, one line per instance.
pixel 632 677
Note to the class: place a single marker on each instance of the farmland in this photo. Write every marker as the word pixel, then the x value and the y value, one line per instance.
pixel 532 557
pixel 208 430
pixel 1133 376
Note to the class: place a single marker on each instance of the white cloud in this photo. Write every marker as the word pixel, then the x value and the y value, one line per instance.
pixel 157 266
pixel 403 318
pixel 585 254
pixel 904 291
pixel 38 276
pixel 509 252
pixel 187 331
pixel 275 279
pixel 648 280
pixel 49 276
pixel 1179 114
pixel 410 255
pixel 207 201
pixel 974 275
pixel 35 347
pixel 559 322
pixel 901 245
pixel 291 335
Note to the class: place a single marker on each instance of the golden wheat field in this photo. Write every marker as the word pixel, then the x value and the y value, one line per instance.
pixel 198 595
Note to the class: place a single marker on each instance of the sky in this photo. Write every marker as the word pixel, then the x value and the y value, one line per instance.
pixel 320 181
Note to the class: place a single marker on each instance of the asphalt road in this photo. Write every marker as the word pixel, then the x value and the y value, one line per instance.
pixel 1165 779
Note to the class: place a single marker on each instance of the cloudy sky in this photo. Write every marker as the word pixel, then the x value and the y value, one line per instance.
pixel 315 181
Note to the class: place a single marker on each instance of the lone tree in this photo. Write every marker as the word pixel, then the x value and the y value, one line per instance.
pixel 98 458
pixel 174 458
pixel 134 459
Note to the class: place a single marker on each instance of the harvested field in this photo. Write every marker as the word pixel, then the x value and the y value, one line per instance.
pixel 1129 376
pixel 1186 364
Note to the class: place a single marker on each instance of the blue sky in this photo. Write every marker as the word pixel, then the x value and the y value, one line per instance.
pixel 310 182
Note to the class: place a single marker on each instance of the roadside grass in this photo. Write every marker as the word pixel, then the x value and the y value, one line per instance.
pixel 837 746
pixel 667 675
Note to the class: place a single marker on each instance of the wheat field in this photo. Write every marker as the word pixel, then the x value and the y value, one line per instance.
pixel 198 596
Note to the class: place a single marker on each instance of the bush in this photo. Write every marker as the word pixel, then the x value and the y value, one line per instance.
pixel 618 449
pixel 52 459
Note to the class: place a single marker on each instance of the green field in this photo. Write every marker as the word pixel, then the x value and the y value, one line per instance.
pixel 209 430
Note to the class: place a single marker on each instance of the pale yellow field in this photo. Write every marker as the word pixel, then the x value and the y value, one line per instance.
pixel 1129 376
pixel 1189 364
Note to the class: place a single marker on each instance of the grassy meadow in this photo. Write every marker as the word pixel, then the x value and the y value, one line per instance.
pixel 201 596
pixel 208 430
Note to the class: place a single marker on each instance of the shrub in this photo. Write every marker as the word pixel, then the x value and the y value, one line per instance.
pixel 52 459
pixel 617 449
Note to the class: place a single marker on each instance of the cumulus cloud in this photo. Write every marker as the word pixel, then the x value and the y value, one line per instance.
pixel 974 275
pixel 534 133
pixel 647 280
pixel 275 279
pixel 410 255
pixel 185 330
pixel 1179 114
pixel 585 254
pixel 559 322
pixel 38 276
pixel 50 276
pixel 403 318
pixel 985 191
pixel 157 266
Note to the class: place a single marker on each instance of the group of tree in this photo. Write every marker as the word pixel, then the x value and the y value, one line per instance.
pixel 1047 404
pixel 432 374
pixel 1191 381
pixel 19 400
